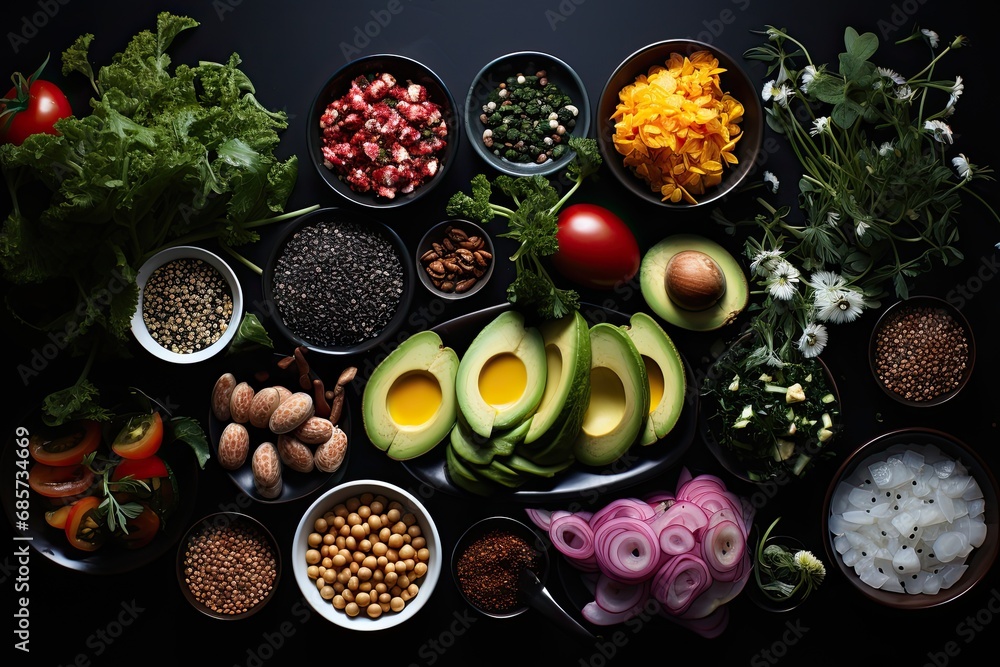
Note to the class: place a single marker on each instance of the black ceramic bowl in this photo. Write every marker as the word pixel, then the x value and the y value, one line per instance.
pixel 405 71
pixel 888 357
pixel 497 72
pixel 928 442
pixel 734 81
pixel 357 299
pixel 435 236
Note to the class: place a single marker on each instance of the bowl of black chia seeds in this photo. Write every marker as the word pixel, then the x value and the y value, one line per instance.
pixel 922 351
pixel 190 302
pixel 339 282
pixel 521 110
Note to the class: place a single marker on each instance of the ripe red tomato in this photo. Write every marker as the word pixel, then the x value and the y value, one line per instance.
pixel 596 248
pixel 147 468
pixel 59 481
pixel 30 107
pixel 140 437
pixel 66 446
pixel 83 527
pixel 141 529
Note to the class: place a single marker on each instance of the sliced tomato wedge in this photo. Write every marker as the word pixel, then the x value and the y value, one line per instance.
pixel 57 517
pixel 66 446
pixel 142 529
pixel 140 437
pixel 147 468
pixel 60 481
pixel 84 529
pixel 161 496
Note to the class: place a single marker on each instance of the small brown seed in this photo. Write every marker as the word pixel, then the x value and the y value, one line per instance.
pixel 456 234
pixel 465 285
pixel 429 256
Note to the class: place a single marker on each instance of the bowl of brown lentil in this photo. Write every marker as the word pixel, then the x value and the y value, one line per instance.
pixel 922 351
pixel 339 282
pixel 367 555
pixel 190 302
pixel 228 565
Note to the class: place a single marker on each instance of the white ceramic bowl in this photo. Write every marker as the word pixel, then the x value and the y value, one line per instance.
pixel 139 329
pixel 327 502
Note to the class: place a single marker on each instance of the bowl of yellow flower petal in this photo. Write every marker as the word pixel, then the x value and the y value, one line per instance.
pixel 680 123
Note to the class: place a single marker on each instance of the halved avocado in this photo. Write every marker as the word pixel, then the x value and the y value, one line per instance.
pixel 409 402
pixel 501 377
pixel 715 313
pixel 619 397
pixel 665 373
pixel 567 378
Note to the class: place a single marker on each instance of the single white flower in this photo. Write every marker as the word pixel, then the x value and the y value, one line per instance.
pixel 956 91
pixel 844 306
pixel 860 227
pixel 904 93
pixel 962 166
pixel 771 181
pixel 820 125
pixel 765 260
pixel 940 130
pixel 807 562
pixel 808 75
pixel 886 148
pixel 932 37
pixel 782 281
pixel 780 93
pixel 832 217
pixel 826 281
pixel 813 340
pixel 890 74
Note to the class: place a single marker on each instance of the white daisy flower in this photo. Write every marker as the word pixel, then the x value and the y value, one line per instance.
pixel 782 282
pixel 890 74
pixel 765 260
pixel 833 218
pixel 813 340
pixel 844 306
pixel 826 281
pixel 886 148
pixel 860 227
pixel 932 37
pixel 820 125
pixel 956 91
pixel 904 93
pixel 940 130
pixel 771 181
pixel 780 93
pixel 962 166
pixel 808 75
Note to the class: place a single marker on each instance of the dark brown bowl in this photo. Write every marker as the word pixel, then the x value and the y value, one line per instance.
pixel 979 561
pixel 734 80
pixel 928 304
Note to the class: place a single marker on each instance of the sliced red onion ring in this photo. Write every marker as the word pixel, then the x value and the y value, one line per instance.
pixel 687 514
pixel 541 518
pixel 677 539
pixel 572 536
pixel 722 548
pixel 616 597
pixel 627 549
pixel 622 507
pixel 597 615
pixel 679 581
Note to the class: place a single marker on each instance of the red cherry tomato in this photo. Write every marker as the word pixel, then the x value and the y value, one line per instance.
pixel 57 517
pixel 140 437
pixel 142 529
pixel 66 446
pixel 596 248
pixel 60 481
pixel 30 107
pixel 84 529
pixel 147 468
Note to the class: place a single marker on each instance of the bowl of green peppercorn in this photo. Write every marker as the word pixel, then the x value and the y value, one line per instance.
pixel 521 110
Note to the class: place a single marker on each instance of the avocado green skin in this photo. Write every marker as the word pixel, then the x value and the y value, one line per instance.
pixel 611 347
pixel 653 342
pixel 423 351
pixel 652 276
pixel 570 335
pixel 506 333
pixel 462 477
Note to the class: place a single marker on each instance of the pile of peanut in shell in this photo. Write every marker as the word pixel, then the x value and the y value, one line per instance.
pixel 294 429
pixel 456 261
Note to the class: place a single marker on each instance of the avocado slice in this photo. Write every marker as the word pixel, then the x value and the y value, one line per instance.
pixel 665 373
pixel 619 397
pixel 521 464
pixel 463 478
pixel 501 376
pixel 567 379
pixel 652 283
pixel 409 403
pixel 476 449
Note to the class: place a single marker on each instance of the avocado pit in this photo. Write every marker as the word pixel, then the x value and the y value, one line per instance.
pixel 694 280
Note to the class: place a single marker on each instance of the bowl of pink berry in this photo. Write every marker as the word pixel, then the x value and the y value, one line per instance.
pixel 383 131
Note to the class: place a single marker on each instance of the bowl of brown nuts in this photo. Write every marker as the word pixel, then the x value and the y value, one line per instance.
pixel 455 259
pixel 367 555
pixel 922 351
pixel 190 304
pixel 241 546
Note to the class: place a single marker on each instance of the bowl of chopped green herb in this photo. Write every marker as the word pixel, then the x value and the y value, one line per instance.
pixel 521 110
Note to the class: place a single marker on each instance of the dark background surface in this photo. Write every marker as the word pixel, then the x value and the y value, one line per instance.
pixel 289 50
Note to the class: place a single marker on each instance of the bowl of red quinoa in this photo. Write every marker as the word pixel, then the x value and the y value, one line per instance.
pixel 228 565
pixel 383 131
pixel 190 304
pixel 922 351
pixel 339 282
pixel 521 110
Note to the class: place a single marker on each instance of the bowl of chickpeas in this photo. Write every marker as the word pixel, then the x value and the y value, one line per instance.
pixel 367 555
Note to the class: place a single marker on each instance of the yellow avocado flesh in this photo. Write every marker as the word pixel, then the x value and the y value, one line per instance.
pixel 607 402
pixel 665 375
pixel 655 375
pixel 503 380
pixel 413 399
